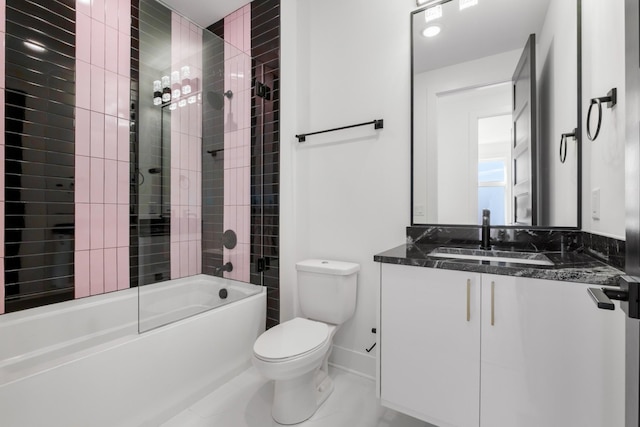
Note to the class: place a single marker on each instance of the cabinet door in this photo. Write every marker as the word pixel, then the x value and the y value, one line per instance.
pixel 429 352
pixel 550 358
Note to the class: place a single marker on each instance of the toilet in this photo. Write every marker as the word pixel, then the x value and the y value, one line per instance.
pixel 295 353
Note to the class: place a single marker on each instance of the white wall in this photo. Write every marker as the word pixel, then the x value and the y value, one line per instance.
pixel 344 195
pixel 603 68
pixel 556 60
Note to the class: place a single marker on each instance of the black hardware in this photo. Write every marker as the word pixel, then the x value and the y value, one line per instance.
pixel 229 239
pixel 260 265
pixel 368 350
pixel 377 124
pixel 263 91
pixel 214 153
pixel 601 299
pixel 486 230
pixel 611 99
pixel 563 143
pixel 223 293
pixel 629 291
pixel 226 267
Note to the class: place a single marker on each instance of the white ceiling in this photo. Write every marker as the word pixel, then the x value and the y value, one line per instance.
pixel 204 12
pixel 490 27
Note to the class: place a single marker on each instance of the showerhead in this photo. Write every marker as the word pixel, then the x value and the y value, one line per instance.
pixel 216 99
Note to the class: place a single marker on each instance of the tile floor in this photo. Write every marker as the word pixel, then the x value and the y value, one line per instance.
pixel 245 402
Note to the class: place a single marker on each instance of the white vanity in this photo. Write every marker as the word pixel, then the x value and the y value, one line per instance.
pixel 463 349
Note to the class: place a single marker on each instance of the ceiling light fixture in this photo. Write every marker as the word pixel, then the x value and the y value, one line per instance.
pixel 431 31
pixel 34 46
pixel 467 3
pixel 433 13
pixel 430 2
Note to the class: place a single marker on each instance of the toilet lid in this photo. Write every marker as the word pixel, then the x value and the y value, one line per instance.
pixel 290 339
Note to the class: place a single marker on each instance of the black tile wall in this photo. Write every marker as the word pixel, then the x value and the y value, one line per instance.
pixel 134 231
pixel 39 153
pixel 212 150
pixel 265 151
pixel 151 145
pixel 265 155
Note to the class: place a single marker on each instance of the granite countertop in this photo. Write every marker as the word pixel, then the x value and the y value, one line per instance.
pixel 573 266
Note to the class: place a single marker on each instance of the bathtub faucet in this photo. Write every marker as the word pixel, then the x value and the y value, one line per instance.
pixel 227 267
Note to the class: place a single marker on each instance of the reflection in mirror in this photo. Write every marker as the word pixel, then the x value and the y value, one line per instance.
pixel 477 143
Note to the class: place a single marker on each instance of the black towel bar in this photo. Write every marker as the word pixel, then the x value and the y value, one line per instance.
pixel 377 124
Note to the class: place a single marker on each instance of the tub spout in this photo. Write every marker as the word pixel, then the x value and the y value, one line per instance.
pixel 227 267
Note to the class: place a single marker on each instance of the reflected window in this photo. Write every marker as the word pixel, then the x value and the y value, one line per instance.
pixel 492 184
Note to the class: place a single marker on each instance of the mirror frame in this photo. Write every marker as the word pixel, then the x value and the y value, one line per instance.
pixel 579 127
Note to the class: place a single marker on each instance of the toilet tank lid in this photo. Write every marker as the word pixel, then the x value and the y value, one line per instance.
pixel 323 266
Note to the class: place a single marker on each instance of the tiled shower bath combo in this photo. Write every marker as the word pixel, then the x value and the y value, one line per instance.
pixel 141 188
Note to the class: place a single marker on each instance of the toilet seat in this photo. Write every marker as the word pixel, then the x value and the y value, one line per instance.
pixel 292 339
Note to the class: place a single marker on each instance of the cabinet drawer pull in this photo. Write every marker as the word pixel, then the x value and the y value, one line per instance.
pixel 493 303
pixel 468 300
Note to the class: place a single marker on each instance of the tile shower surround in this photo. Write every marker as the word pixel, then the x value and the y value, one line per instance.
pixel 103 50
pixel 100 67
pixel 186 156
pixel 237 140
pixel 264 161
pixel 38 110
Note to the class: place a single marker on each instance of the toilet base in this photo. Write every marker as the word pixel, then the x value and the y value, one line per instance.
pixel 295 400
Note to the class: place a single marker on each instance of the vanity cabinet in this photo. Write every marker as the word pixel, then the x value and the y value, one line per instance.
pixel 469 349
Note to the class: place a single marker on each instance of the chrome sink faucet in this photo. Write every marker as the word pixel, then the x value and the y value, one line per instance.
pixel 486 230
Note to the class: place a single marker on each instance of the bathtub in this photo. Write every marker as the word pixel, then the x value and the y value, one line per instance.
pixel 84 363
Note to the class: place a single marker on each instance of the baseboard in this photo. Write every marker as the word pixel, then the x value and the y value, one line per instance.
pixel 353 361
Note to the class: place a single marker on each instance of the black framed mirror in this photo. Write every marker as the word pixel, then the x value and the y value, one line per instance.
pixel 467 132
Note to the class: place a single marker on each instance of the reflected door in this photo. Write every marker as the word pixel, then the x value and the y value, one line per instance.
pixel 524 188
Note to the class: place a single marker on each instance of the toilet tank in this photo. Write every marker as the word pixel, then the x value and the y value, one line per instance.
pixel 327 289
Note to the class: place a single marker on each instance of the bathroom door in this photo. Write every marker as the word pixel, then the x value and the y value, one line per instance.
pixel 523 147
pixel 632 201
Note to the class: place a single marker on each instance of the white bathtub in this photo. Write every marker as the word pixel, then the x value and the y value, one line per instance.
pixel 83 363
pixel 166 302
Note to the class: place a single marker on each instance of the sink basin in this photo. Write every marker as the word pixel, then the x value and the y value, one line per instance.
pixel 532 258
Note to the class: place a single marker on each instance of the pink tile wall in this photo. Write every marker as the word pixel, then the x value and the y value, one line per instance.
pixel 103 31
pixel 2 37
pixel 237 139
pixel 186 149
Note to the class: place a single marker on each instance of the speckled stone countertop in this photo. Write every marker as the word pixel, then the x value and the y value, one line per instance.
pixel 573 266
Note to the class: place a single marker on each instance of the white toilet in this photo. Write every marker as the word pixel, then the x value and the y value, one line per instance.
pixel 295 353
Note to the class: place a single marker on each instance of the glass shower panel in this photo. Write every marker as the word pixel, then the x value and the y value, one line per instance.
pixel 193 169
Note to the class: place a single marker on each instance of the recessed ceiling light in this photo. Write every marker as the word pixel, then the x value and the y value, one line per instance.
pixel 467 3
pixel 431 31
pixel 432 13
pixel 429 2
pixel 34 46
